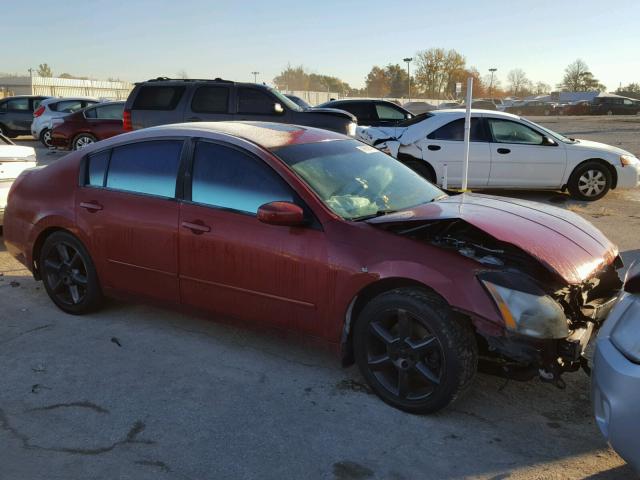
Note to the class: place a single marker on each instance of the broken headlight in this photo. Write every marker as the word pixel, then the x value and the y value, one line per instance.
pixel 351 129
pixel 525 308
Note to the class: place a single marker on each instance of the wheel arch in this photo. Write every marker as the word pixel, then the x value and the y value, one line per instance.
pixel 405 159
pixel 359 301
pixel 39 242
pixel 608 165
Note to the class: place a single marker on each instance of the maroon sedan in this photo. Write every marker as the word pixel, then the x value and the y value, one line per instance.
pixel 314 232
pixel 87 126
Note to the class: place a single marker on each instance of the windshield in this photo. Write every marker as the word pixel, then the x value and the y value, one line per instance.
pixel 551 133
pixel 286 101
pixel 357 181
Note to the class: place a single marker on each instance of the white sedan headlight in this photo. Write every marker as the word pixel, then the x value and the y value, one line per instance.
pixel 628 160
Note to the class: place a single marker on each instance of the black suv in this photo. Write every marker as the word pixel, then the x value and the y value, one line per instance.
pixel 375 113
pixel 614 106
pixel 16 114
pixel 162 101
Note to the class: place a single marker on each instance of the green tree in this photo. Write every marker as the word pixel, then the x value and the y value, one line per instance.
pixel 398 80
pixel 578 78
pixel 44 70
pixel 297 78
pixel 377 83
pixel 632 90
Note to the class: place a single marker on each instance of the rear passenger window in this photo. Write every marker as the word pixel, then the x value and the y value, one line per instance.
pixel 146 167
pixel 362 110
pixel 97 168
pixel 454 131
pixel 155 97
pixel 227 178
pixel 252 100
pixel 210 100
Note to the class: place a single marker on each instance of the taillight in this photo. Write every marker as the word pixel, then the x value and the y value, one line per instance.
pixel 126 121
pixel 39 111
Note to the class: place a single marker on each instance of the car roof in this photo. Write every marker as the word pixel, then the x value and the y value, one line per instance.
pixel 268 135
pixel 163 81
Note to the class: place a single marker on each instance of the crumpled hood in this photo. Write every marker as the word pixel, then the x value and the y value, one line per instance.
pixel 600 147
pixel 561 240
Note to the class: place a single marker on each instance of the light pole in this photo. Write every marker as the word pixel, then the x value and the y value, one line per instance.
pixel 255 76
pixel 492 70
pixel 408 60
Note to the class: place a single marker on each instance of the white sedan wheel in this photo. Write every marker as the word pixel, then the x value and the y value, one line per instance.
pixel 591 183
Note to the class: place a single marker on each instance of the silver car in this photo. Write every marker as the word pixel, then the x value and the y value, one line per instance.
pixel 55 108
pixel 615 387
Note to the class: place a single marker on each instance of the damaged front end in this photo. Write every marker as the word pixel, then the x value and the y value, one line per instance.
pixel 548 322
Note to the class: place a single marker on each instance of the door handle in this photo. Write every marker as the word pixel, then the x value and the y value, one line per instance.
pixel 504 151
pixel 196 227
pixel 91 206
pixel 434 147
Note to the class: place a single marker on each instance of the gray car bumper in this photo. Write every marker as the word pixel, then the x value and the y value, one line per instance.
pixel 615 389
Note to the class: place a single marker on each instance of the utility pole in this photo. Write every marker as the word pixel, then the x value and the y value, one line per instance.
pixel 408 60
pixel 492 70
pixel 255 76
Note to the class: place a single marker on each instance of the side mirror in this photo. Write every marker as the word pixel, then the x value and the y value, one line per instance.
pixel 548 141
pixel 285 214
pixel 277 108
pixel 632 278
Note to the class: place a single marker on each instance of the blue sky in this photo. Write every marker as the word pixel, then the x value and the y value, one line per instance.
pixel 136 40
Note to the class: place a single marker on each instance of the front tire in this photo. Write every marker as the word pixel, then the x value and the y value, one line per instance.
pixel 83 140
pixel 412 350
pixel 69 275
pixel 590 181
pixel 421 168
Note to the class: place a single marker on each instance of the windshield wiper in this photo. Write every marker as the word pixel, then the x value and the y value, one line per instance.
pixel 379 213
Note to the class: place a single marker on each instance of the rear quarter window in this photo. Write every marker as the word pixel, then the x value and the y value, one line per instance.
pixel 157 97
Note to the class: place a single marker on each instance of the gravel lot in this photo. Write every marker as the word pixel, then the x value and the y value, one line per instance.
pixel 140 392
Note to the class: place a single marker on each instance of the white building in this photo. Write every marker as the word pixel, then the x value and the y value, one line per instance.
pixel 64 87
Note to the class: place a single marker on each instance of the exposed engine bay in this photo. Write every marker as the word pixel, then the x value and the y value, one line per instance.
pixel 585 305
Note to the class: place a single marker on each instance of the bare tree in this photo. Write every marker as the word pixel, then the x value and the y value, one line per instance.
pixel 541 88
pixel 518 81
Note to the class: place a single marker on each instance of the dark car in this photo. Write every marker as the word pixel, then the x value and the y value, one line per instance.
pixel 163 101
pixel 581 107
pixel 310 231
pixel 614 106
pixel 299 101
pixel 87 126
pixel 16 114
pixel 532 107
pixel 375 113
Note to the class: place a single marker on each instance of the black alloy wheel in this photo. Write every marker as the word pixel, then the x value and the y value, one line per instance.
pixel 68 274
pixel 413 351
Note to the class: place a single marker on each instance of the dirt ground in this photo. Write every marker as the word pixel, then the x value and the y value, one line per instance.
pixel 139 392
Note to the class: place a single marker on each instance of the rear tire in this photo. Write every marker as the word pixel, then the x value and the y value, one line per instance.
pixel 412 350
pixel 45 137
pixel 69 275
pixel 82 140
pixel 590 181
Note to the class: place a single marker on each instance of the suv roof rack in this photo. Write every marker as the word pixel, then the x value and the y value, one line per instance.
pixel 167 79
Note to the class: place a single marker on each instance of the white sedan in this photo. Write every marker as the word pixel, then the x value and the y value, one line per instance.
pixel 13 160
pixel 506 151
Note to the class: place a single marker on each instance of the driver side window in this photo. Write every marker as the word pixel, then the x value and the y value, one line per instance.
pixel 507 131
pixel 225 177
